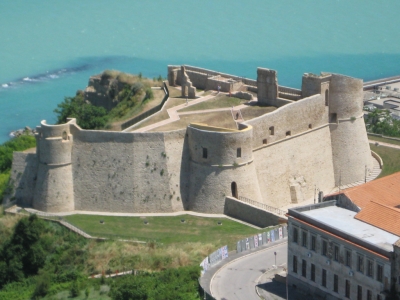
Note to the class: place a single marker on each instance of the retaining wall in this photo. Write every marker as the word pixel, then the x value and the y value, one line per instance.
pixel 250 214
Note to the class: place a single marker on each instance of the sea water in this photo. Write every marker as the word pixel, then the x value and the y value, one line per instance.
pixel 48 49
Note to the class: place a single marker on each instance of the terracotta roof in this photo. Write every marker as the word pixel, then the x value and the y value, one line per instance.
pixel 385 190
pixel 381 216
pixel 379 201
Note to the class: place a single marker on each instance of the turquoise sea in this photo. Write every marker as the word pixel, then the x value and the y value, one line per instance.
pixel 48 49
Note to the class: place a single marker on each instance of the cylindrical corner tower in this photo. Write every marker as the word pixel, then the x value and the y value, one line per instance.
pixel 54 191
pixel 221 164
pixel 350 148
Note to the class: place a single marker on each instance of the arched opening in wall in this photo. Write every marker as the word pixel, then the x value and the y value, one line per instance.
pixel 265 141
pixel 309 126
pixel 234 190
pixel 64 136
pixel 288 133
pixel 326 97
pixel 239 152
pixel 205 153
pixel 333 118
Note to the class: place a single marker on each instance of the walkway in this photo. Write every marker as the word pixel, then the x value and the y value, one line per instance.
pixel 384 144
pixel 237 277
pixel 174 114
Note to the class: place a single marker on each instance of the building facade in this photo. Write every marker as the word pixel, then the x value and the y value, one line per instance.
pixel 332 254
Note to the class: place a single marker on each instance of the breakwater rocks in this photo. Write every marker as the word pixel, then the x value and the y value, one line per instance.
pixel 25 131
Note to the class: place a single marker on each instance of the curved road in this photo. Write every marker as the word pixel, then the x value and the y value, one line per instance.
pixel 237 279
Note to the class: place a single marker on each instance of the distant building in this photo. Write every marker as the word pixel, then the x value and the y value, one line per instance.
pixel 348 248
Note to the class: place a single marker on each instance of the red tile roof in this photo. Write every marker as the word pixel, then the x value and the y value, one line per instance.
pixel 381 216
pixel 379 201
pixel 385 190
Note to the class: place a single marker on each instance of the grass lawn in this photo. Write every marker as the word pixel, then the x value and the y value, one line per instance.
pixel 166 230
pixel 219 119
pixel 220 101
pixel 390 157
pixel 163 114
pixel 93 294
pixel 254 111
pixel 383 140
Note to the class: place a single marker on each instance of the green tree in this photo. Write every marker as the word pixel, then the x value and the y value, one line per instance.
pixel 88 116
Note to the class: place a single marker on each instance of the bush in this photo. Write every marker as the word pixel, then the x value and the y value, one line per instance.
pixel 88 116
pixel 74 291
pixel 20 143
pixel 42 286
pixel 172 284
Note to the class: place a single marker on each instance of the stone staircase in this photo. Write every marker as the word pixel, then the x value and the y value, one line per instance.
pixel 374 173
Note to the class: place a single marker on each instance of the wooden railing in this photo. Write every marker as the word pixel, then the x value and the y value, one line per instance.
pixel 263 206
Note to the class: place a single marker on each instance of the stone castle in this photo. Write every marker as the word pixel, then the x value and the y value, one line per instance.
pixel 315 139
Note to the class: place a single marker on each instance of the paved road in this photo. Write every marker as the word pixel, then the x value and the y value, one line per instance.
pixel 237 280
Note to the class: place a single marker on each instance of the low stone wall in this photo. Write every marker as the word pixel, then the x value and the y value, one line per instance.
pixel 250 214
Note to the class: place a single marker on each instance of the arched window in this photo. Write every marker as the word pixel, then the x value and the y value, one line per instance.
pixel 234 190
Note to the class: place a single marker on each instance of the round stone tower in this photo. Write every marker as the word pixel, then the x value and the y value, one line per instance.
pixel 54 191
pixel 221 164
pixel 350 148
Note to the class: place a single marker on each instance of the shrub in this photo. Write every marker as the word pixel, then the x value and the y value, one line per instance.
pixel 88 116
pixel 74 290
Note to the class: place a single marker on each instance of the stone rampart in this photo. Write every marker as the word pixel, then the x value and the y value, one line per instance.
pixel 221 163
pixel 289 120
pixel 250 214
pixel 282 157
pixel 122 172
pixel 350 147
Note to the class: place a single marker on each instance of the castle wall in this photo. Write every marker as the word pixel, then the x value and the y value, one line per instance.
pixel 297 117
pixel 23 177
pixel 289 171
pixel 250 214
pixel 220 172
pixel 290 166
pixel 350 147
pixel 125 172
pixel 54 188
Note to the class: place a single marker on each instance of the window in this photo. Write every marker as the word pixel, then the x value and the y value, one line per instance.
pixel 309 126
pixel 239 152
pixel 265 141
pixel 205 154
pixel 312 272
pixel 323 277
pixel 335 283
pixel 294 264
pixel 304 239
pixel 336 253
pixel 348 258
pixel 313 243
pixel 347 290
pixel 360 263
pixel 359 292
pixel 295 235
pixel 369 295
pixel 271 130
pixel 326 97
pixel 288 133
pixel 370 268
pixel 379 273
pixel 324 247
pixel 304 268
